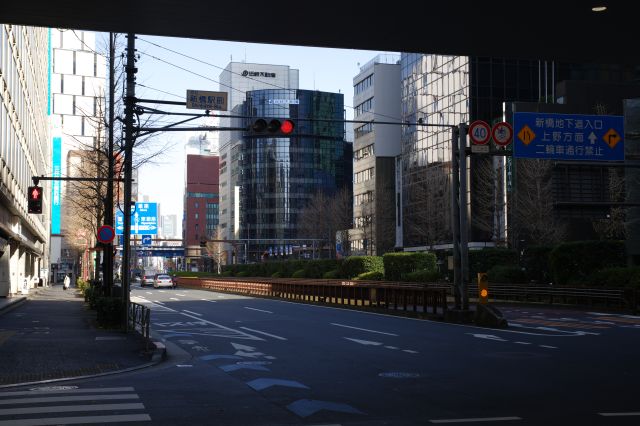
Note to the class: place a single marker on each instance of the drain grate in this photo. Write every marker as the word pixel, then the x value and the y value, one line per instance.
pixel 399 375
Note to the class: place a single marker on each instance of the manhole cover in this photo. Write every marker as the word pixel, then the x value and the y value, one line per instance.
pixel 399 375
pixel 54 388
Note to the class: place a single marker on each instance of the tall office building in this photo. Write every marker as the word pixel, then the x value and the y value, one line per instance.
pixel 237 79
pixel 77 84
pixel 25 151
pixel 376 146
pixel 449 90
pixel 279 176
pixel 169 224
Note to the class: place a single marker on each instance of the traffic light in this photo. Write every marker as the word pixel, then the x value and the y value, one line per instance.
pixel 272 127
pixel 34 195
pixel 483 287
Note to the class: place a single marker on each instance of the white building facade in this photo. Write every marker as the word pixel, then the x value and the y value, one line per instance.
pixel 25 151
pixel 376 146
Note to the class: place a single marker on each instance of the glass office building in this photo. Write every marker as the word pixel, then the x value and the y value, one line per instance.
pixel 280 175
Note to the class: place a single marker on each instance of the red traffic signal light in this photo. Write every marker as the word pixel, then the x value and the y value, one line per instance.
pixel 272 127
pixel 34 196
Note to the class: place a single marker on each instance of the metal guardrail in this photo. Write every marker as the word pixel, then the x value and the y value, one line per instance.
pixel 140 320
pixel 404 297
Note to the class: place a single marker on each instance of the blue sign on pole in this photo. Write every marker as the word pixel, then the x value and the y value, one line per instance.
pixel 568 136
pixel 144 220
pixel 146 240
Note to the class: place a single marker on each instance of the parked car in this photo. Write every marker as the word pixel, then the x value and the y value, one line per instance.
pixel 162 280
pixel 147 279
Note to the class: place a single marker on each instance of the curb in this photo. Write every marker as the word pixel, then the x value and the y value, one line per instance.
pixel 159 354
pixel 13 303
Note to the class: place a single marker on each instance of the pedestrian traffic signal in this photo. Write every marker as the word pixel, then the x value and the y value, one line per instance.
pixel 34 196
pixel 483 287
pixel 272 127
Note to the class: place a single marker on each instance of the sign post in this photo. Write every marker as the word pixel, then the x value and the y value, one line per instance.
pixel 106 234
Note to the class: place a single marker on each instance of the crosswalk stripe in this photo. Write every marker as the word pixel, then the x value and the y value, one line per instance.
pixel 119 418
pixel 37 391
pixel 65 399
pixel 70 408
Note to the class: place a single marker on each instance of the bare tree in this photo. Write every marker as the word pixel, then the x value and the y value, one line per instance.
pixel 613 226
pixel 325 215
pixel 532 211
pixel 215 249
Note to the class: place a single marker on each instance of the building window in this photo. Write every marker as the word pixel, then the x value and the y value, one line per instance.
pixel 196 216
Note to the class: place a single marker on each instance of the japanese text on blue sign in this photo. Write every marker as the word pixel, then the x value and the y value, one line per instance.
pixel 568 136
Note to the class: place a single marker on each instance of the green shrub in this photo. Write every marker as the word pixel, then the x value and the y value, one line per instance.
pixel 353 266
pixel 109 310
pixel 574 262
pixel 226 274
pixel 298 274
pixel 423 276
pixel 330 275
pixel 616 277
pixel 508 274
pixel 243 274
pixel 397 265
pixel 82 285
pixel 536 263
pixel 371 276
pixel 276 275
pixel 487 258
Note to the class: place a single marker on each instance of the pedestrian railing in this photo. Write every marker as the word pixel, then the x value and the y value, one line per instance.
pixel 140 320
pixel 405 297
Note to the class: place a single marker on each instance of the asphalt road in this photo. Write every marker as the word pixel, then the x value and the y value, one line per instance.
pixel 237 360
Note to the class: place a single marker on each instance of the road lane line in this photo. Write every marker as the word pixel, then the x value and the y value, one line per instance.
pixel 262 332
pixel 207 300
pixel 475 420
pixel 620 414
pixel 77 420
pixel 523 343
pixel 547 346
pixel 173 298
pixel 194 313
pixel 363 329
pixel 181 295
pixel 259 310
pixel 158 302
pixel 247 335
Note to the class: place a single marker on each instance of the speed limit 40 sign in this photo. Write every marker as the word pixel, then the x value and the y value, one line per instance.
pixel 479 132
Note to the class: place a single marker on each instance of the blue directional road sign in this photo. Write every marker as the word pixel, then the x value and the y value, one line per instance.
pixel 144 220
pixel 568 136
pixel 146 240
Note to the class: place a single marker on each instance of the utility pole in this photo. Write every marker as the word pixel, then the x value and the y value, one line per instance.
pixel 464 227
pixel 107 271
pixel 455 218
pixel 130 103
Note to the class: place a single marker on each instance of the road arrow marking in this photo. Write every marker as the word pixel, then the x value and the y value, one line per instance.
pixel 234 367
pixel 214 356
pixel 307 407
pixel 364 342
pixel 239 347
pixel 488 337
pixel 264 383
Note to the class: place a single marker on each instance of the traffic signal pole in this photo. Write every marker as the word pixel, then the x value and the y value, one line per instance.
pixel 107 264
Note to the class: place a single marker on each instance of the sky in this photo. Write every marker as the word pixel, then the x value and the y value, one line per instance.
pixel 168 66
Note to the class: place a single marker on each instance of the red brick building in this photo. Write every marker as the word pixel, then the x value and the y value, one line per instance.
pixel 201 201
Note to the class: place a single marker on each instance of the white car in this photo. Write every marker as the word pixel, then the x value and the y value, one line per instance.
pixel 162 280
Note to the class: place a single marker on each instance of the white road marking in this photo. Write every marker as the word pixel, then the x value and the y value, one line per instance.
pixel 149 292
pixel 38 391
pixel 174 298
pixel 194 313
pixel 207 300
pixel 477 419
pixel 77 420
pixel 547 346
pixel 363 329
pixel 158 302
pixel 364 342
pixel 488 337
pixel 263 333
pixel 181 295
pixel 66 398
pixel 69 408
pixel 565 332
pixel 523 343
pixel 183 365
pixel 410 351
pixel 246 335
pixel 620 414
pixel 392 347
pixel 259 310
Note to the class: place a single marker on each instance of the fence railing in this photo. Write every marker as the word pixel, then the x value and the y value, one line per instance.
pixel 419 299
pixel 140 320
pixel 615 298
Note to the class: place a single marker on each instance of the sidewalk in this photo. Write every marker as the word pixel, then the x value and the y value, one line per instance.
pixel 51 335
